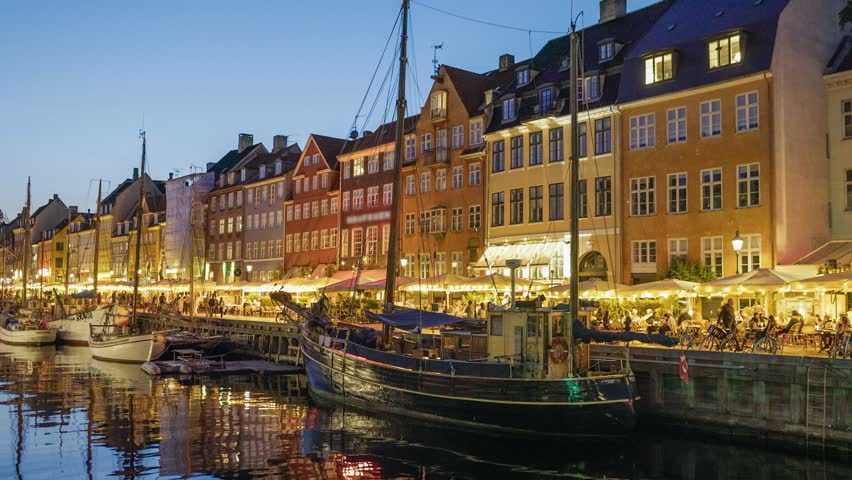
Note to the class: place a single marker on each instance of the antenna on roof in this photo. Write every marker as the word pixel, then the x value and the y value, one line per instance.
pixel 435 49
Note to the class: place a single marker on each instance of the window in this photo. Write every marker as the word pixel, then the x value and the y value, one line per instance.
pixel 441 180
pixel 475 177
pixel 439 105
pixel 357 242
pixel 711 189
pixel 644 255
pixel 642 131
pixel 231 225
pixel 297 183
pixel 678 248
pixel 373 164
pixel 523 77
pixel 387 194
pixel 748 112
pixel 344 243
pixel 517 153
pixel 324 207
pixel 497 325
pixel 426 142
pixel 221 202
pixel 262 253
pixel 358 199
pixel 582 141
pixel 536 203
pixel 385 238
pixel 438 220
pixel 588 88
pixel 603 196
pixel 583 201
pixel 677 193
pixel 676 125
pixel 358 167
pixel 606 51
pixel 711 118
pixel 546 100
pixel 315 208
pixel 516 206
pixel 345 201
pixel 387 163
pixel 508 109
pixel 556 201
pixel 457 266
pixel 410 266
pixel 425 182
pixel 724 51
pixel 642 196
pixel 279 219
pixel 334 205
pixel 474 217
pixel 750 253
pixel 332 238
pixel 288 244
pixel 440 263
pixel 498 206
pixel 324 238
pixel 297 245
pixel 498 158
pixel 476 132
pixel 221 226
pixel 372 242
pixel 458 136
pixel 536 149
pixel 240 198
pixel 409 223
pixel 748 185
pixel 307 186
pixel 603 135
pixel 846 109
pixel 314 241
pixel 557 149
pixel 458 177
pixel 372 196
pixel 458 219
pixel 711 250
pixel 297 217
pixel 425 261
pixel 410 185
pixel 315 183
pixel 410 147
pixel 658 68
pixel 230 199
pixel 848 189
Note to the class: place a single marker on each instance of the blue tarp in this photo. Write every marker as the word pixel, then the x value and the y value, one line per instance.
pixel 411 320
pixel 586 335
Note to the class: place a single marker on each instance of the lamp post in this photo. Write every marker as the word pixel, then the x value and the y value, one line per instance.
pixel 737 243
pixel 248 270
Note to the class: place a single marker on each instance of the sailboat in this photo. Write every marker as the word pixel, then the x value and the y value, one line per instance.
pixel 116 341
pixel 26 327
pixel 531 380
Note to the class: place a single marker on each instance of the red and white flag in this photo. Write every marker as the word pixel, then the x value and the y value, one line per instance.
pixel 683 369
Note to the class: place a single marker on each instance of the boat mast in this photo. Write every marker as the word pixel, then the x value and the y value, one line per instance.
pixel 192 223
pixel 97 243
pixel 27 254
pixel 67 251
pixel 393 242
pixel 575 201
pixel 139 228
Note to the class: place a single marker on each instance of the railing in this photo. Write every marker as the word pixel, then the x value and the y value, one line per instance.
pixel 438 156
pixel 439 113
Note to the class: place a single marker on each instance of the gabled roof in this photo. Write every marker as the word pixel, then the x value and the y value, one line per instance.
pixel 231 159
pixel 841 61
pixel 289 156
pixel 686 27
pixel 113 196
pixel 381 136
pixel 470 86
pixel 330 148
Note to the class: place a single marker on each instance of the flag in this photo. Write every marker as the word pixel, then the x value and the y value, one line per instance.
pixel 683 369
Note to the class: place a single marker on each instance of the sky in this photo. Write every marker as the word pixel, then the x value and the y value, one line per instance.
pixel 78 80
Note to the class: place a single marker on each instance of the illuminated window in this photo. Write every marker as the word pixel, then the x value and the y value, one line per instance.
pixel 725 51
pixel 658 68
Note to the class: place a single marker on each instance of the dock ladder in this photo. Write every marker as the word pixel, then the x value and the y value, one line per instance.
pixel 816 402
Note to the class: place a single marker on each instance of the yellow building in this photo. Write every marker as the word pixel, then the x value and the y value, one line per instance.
pixel 838 84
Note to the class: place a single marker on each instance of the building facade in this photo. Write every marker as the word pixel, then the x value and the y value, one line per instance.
pixel 838 82
pixel 184 230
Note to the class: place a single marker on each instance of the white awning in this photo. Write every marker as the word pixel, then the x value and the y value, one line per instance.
pixel 495 256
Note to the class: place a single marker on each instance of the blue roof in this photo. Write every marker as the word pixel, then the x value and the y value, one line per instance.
pixel 686 27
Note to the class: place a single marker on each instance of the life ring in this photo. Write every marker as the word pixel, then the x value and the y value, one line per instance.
pixel 558 350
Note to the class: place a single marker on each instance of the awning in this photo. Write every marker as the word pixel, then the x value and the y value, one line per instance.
pixel 439 283
pixel 592 288
pixel 411 320
pixel 500 283
pixel 495 256
pixel 837 252
pixel 762 280
pixel 832 282
pixel 661 288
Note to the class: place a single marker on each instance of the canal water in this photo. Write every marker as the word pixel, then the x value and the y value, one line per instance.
pixel 64 415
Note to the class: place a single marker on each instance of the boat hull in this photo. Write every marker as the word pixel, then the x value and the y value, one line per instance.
pixel 75 330
pixel 581 406
pixel 28 337
pixel 126 349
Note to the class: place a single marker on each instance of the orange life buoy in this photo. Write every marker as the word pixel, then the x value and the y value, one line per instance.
pixel 558 350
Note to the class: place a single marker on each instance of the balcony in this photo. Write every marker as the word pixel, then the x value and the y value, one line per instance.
pixel 439 114
pixel 438 156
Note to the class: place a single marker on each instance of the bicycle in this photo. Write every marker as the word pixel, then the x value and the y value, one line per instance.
pixel 767 344
pixel 720 340
pixel 841 347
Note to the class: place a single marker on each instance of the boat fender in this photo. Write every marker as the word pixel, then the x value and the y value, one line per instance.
pixel 558 350
pixel 185 369
pixel 151 368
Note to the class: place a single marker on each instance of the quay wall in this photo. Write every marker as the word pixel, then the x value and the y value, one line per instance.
pixel 804 400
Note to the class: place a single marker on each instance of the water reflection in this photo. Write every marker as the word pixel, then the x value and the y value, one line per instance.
pixel 62 412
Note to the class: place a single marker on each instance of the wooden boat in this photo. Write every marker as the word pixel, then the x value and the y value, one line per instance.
pixel 75 329
pixel 27 334
pixel 113 343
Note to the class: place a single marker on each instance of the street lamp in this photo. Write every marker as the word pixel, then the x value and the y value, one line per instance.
pixel 737 243
pixel 248 269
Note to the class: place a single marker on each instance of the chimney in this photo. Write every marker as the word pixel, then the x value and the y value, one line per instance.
pixel 55 196
pixel 171 175
pixel 73 210
pixel 136 173
pixel 210 165
pixel 366 133
pixel 612 9
pixel 506 61
pixel 279 142
pixel 245 140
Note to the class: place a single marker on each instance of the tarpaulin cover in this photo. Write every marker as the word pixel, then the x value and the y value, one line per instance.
pixel 411 320
pixel 587 335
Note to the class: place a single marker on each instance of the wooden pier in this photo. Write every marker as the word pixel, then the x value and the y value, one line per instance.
pixel 274 342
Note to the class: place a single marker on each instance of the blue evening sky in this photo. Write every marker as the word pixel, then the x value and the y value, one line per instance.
pixel 78 78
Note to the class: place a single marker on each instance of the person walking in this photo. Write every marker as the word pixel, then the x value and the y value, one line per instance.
pixel 727 316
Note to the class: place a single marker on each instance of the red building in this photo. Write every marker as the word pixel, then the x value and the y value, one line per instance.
pixel 311 215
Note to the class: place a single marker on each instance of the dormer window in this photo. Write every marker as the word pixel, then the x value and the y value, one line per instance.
pixel 523 77
pixel 589 88
pixel 230 178
pixel 547 103
pixel 508 109
pixel 606 51
pixel 659 68
pixel 725 51
pixel 243 174
pixel 279 166
pixel 262 172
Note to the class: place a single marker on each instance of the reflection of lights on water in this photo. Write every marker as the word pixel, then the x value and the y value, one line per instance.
pixel 204 392
pixel 361 469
